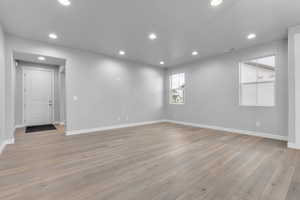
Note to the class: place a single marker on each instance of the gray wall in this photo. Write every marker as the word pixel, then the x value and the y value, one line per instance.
pixel 110 91
pixel 2 86
pixel 19 93
pixel 212 93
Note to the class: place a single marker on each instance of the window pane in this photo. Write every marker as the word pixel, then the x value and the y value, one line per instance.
pixel 248 94
pixel 264 75
pixel 177 82
pixel 265 94
pixel 257 82
pixel 181 80
pixel 248 73
pixel 268 61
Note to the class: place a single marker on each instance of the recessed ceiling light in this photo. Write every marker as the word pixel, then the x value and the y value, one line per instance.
pixel 65 2
pixel 195 53
pixel 42 58
pixel 152 36
pixel 215 3
pixel 161 62
pixel 52 36
pixel 121 52
pixel 251 36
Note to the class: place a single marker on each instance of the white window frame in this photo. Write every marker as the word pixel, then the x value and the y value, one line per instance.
pixel 240 88
pixel 170 86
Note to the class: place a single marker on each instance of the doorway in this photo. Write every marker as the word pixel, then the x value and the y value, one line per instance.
pixel 39 93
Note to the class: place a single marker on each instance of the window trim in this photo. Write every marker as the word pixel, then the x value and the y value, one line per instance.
pixel 275 82
pixel 170 75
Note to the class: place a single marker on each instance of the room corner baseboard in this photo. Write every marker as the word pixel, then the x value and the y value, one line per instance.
pixel 58 122
pixel 92 130
pixel 20 126
pixel 6 142
pixel 244 132
pixel 293 146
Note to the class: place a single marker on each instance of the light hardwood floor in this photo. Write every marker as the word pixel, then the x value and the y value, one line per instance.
pixel 160 161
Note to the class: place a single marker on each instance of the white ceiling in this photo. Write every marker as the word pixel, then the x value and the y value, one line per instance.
pixel 105 26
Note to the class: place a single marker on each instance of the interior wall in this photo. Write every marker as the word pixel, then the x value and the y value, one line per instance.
pixel 19 91
pixel 212 93
pixel 108 91
pixel 2 86
pixel 112 92
pixel 294 87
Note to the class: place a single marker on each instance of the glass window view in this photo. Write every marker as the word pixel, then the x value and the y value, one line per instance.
pixel 177 83
pixel 257 82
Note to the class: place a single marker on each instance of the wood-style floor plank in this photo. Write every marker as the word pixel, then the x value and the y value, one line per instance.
pixel 159 161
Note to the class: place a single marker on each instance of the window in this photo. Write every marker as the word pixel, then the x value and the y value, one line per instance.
pixel 257 82
pixel 177 83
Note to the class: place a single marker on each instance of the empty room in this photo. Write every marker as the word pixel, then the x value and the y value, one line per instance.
pixel 150 100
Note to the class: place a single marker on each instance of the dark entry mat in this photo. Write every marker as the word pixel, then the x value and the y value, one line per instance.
pixel 46 127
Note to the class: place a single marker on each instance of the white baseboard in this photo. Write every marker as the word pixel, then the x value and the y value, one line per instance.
pixel 244 132
pixel 20 126
pixel 91 130
pixel 293 146
pixel 6 142
pixel 57 122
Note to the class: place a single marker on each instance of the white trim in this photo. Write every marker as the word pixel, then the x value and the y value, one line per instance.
pixel 20 126
pixel 58 122
pixel 6 142
pixel 244 132
pixel 293 146
pixel 91 130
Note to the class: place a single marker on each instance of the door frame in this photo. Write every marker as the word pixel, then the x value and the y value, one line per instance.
pixel 30 68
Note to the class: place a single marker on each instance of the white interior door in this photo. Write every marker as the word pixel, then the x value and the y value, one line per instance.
pixel 38 96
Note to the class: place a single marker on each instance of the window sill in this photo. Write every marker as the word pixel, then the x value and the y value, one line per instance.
pixel 258 82
pixel 257 106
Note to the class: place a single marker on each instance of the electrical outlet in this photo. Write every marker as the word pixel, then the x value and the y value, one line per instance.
pixel 127 117
pixel 119 118
pixel 75 98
